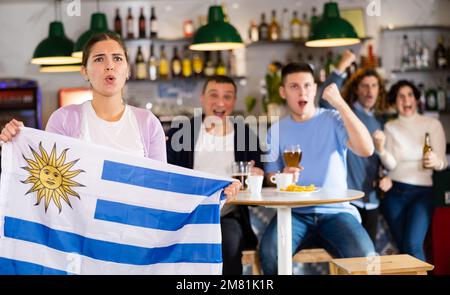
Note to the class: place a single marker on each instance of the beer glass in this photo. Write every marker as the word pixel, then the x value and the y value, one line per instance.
pixel 240 171
pixel 292 155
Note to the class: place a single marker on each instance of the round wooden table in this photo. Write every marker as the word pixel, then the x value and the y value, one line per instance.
pixel 283 202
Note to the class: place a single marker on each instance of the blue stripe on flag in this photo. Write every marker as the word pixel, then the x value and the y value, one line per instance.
pixel 108 251
pixel 161 180
pixel 17 267
pixel 154 218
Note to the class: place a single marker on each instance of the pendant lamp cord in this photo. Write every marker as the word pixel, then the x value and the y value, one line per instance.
pixel 58 10
pixel 98 6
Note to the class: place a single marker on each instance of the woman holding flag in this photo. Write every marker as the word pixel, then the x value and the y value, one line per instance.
pixel 107 120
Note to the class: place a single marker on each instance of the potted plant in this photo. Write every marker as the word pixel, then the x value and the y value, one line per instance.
pixel 272 101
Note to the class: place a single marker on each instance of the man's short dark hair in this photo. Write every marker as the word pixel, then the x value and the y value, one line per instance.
pixel 292 68
pixel 221 80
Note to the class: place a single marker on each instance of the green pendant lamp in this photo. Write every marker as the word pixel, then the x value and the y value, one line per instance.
pixel 332 30
pixel 56 49
pixel 216 34
pixel 99 25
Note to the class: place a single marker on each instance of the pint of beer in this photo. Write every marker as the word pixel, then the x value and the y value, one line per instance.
pixel 292 155
pixel 240 171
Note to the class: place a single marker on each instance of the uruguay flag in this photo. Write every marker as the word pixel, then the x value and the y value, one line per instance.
pixel 70 207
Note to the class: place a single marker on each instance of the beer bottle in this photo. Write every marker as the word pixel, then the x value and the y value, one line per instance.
pixel 296 31
pixel 152 65
pixel 163 64
pixel 263 28
pixel 221 69
pixel 253 33
pixel 142 24
pixel 186 63
pixel 130 25
pixel 176 64
pixel 118 23
pixel 274 28
pixel 141 71
pixel 153 24
pixel 426 146
pixel 209 69
pixel 197 64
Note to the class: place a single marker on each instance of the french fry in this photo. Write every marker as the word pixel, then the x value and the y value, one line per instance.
pixel 299 188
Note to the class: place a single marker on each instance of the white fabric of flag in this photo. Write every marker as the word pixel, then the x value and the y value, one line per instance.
pixel 70 207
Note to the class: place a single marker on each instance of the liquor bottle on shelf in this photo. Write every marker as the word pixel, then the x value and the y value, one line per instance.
pixel 188 28
pixel 232 68
pixel 441 98
pixel 253 34
pixel 197 64
pixel 310 62
pixel 405 54
pixel 285 25
pixel 425 56
pixel 296 29
pixel 431 100
pixel 221 69
pixel 153 24
pixel 329 64
pixel 142 24
pixel 175 64
pixel 426 146
pixel 422 99
pixel 209 69
pixel 440 55
pixel 274 28
pixel 305 27
pixel 118 23
pixel 322 72
pixel 186 63
pixel 152 65
pixel 263 28
pixel 371 58
pixel 314 19
pixel 130 24
pixel 141 69
pixel 353 68
pixel 417 54
pixel 163 64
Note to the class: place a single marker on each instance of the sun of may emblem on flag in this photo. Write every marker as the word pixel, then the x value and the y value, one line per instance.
pixel 51 177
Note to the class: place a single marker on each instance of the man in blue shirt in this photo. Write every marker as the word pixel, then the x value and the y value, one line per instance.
pixel 365 93
pixel 324 137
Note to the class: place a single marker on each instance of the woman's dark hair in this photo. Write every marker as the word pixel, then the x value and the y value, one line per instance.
pixel 393 92
pixel 101 37
pixel 350 92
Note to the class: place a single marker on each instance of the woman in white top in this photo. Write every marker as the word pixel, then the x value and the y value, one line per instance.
pixel 408 206
pixel 107 120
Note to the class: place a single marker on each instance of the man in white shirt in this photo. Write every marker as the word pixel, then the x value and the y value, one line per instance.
pixel 211 143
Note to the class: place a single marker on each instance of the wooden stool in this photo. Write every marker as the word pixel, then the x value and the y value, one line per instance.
pixel 303 256
pixel 376 265
pixel 312 256
pixel 251 257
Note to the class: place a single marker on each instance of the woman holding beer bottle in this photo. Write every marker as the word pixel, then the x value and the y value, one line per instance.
pixel 410 156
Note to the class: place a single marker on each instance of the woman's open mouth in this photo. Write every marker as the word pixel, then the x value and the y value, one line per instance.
pixel 110 79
